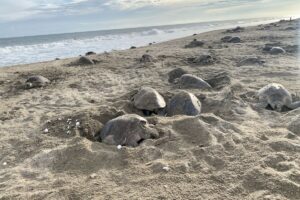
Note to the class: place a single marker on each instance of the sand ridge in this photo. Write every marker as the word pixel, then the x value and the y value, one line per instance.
pixel 232 150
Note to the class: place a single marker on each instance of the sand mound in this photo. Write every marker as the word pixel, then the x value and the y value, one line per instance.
pixel 276 184
pixel 194 131
pixel 294 126
pixel 78 157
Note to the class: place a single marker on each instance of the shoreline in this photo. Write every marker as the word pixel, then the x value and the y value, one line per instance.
pixel 252 23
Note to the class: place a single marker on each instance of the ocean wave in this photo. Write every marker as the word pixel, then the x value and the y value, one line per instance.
pixel 22 54
pixel 152 32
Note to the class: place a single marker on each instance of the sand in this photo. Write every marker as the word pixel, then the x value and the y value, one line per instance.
pixel 233 150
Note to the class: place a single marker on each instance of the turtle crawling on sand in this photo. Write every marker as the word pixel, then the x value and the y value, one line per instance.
pixel 277 50
pixel 204 59
pixel 192 81
pixel 184 103
pixel 148 100
pixel 176 73
pixel 127 130
pixel 276 97
pixel 84 60
pixel 36 81
pixel 194 43
pixel 146 58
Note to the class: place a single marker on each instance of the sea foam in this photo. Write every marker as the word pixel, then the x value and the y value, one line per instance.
pixel 14 51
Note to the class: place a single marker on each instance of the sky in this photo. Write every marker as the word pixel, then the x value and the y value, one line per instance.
pixel 39 17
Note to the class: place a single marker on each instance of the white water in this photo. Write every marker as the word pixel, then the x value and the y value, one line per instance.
pixel 36 52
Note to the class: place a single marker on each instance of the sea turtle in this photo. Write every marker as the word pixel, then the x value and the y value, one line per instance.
pixel 192 81
pixel 219 80
pixel 269 46
pixel 231 39
pixel 184 103
pixel 176 73
pixel 148 100
pixel 235 40
pixel 276 97
pixel 226 38
pixel 290 28
pixel 147 58
pixel 90 53
pixel 84 60
pixel 204 59
pixel 277 50
pixel 36 81
pixel 194 43
pixel 250 61
pixel 127 130
pixel 235 30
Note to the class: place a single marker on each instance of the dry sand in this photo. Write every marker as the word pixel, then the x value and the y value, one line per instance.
pixel 233 150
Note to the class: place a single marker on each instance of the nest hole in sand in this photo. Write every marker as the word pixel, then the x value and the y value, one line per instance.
pixel 86 124
pixel 94 125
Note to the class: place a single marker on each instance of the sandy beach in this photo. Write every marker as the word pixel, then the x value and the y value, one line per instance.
pixel 233 149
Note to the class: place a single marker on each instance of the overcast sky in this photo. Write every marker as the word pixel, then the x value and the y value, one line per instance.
pixel 35 17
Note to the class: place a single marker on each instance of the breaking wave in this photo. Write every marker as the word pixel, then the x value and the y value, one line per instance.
pixel 41 48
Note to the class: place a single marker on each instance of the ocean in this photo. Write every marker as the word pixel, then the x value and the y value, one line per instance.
pixel 31 49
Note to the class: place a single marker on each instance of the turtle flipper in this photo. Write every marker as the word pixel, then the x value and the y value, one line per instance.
pixel 261 105
pixel 294 105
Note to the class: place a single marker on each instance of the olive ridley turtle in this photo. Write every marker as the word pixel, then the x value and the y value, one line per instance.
pixel 277 50
pixel 127 130
pixel 204 59
pixel 176 73
pixel 277 97
pixel 146 58
pixel 184 103
pixel 84 60
pixel 36 81
pixel 192 81
pixel 194 43
pixel 148 100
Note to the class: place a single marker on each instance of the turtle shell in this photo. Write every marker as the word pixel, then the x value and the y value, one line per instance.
pixel 37 81
pixel 148 99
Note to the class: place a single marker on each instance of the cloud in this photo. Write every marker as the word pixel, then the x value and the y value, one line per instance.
pixel 29 17
pixel 136 4
pixel 21 10
pixel 12 10
pixel 30 9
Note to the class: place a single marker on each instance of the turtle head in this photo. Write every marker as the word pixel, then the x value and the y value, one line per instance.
pixel 28 85
pixel 276 105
